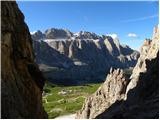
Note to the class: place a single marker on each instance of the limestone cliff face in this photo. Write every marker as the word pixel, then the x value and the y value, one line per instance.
pixel 22 82
pixel 113 89
pixel 88 57
pixel 51 57
pixel 149 51
pixel 137 98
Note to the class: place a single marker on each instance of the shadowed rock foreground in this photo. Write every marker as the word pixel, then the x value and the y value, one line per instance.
pixel 22 81
pixel 121 97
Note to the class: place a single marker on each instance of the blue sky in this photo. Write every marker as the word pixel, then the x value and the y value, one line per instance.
pixel 131 21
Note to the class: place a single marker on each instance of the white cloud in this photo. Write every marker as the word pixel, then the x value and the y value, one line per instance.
pixel 33 32
pixel 132 35
pixel 114 36
pixel 141 18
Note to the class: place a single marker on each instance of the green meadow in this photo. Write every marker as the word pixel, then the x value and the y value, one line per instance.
pixel 63 100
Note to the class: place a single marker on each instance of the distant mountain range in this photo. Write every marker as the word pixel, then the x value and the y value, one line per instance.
pixel 81 57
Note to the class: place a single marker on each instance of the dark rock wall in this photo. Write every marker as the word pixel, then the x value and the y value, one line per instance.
pixel 142 101
pixel 22 82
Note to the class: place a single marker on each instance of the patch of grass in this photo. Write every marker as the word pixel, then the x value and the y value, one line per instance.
pixel 54 115
pixel 57 104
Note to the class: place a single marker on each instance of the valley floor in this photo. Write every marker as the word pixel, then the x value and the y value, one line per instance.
pixel 65 101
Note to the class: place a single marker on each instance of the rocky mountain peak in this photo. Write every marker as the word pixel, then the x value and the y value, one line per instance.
pixel 113 89
pixel 147 42
pixel 86 52
pixel 155 32
pixel 86 35
pixel 54 33
pixel 38 35
pixel 123 97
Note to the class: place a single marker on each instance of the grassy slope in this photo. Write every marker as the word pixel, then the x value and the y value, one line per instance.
pixel 57 104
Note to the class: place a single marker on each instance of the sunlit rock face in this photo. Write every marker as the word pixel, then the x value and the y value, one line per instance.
pixel 57 33
pixel 134 97
pixel 112 89
pixel 84 56
pixel 22 81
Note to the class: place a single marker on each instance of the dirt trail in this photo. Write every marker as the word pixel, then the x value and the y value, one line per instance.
pixel 70 116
